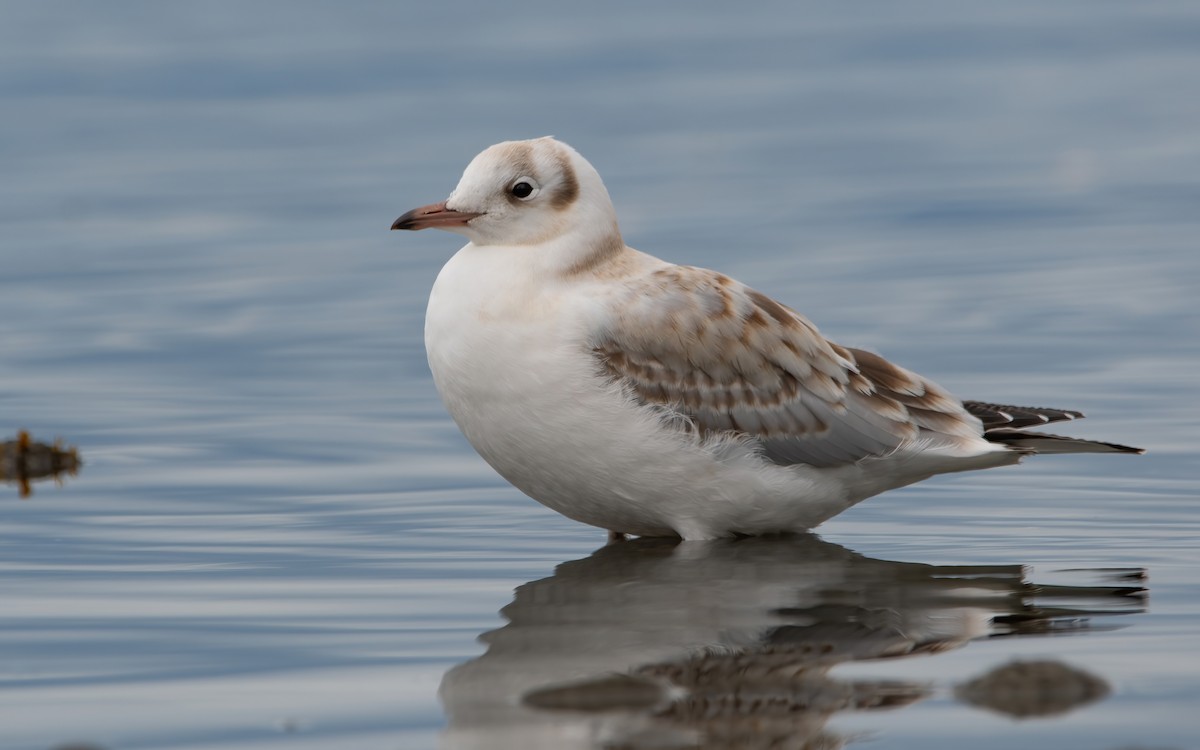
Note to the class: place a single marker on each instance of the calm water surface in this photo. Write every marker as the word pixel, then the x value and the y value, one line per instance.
pixel 278 538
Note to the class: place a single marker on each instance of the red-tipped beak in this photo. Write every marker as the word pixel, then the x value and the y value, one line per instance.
pixel 434 215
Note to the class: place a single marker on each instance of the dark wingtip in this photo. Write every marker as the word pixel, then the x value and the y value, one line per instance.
pixel 1041 442
pixel 1118 448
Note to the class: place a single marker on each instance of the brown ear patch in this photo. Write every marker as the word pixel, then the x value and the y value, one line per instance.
pixel 567 190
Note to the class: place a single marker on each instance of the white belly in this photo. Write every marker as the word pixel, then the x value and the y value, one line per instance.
pixel 511 362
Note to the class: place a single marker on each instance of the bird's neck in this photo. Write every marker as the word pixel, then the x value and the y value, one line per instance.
pixel 593 254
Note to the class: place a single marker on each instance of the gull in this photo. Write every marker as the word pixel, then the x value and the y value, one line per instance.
pixel 655 399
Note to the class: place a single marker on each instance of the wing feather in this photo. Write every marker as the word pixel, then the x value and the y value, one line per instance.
pixel 732 360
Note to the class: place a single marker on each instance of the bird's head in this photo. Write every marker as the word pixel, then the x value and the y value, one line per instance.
pixel 525 193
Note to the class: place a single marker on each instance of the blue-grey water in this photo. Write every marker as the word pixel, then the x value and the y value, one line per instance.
pixel 278 538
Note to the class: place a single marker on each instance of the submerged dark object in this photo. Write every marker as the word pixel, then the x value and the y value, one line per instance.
pixel 1032 689
pixel 24 460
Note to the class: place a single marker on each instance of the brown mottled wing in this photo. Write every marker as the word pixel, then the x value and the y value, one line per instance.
pixel 730 359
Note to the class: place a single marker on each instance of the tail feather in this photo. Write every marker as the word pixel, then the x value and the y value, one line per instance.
pixel 1005 424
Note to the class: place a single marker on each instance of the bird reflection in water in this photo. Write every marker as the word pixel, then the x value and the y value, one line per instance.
pixel 661 644
pixel 24 460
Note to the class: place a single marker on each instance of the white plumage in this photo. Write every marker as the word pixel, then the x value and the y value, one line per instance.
pixel 654 399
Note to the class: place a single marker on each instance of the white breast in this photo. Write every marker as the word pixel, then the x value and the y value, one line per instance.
pixel 511 360
pixel 508 359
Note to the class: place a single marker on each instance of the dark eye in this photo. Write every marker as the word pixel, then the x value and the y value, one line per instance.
pixel 524 188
